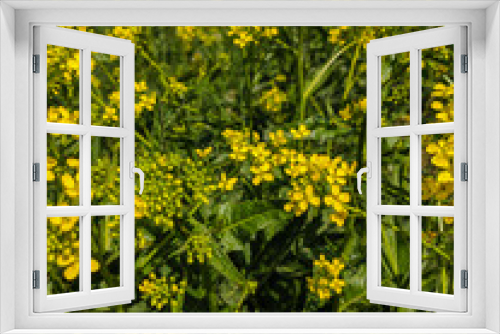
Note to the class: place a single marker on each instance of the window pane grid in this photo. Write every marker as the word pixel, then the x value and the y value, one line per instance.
pixel 85 211
pixel 415 211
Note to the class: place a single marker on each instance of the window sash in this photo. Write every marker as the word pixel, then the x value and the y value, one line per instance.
pixel 413 43
pixel 86 298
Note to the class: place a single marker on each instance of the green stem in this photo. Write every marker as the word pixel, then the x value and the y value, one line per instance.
pixel 300 66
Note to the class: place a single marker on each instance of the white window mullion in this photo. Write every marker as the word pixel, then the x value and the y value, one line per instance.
pixel 373 253
pixel 127 110
pixel 86 173
pixel 407 210
pixel 415 169
pixel 433 129
pixel 421 129
pixel 81 130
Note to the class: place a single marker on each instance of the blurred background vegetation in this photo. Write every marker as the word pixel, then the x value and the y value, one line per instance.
pixel 250 138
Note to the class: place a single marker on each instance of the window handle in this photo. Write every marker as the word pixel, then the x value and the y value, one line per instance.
pixel 134 170
pixel 368 171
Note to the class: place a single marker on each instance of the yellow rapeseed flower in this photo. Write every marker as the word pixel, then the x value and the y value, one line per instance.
pixel 227 184
pixel 72 272
pixel 204 153
pixel 301 132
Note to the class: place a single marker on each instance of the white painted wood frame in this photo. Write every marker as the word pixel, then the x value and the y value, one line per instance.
pixel 414 43
pixel 87 43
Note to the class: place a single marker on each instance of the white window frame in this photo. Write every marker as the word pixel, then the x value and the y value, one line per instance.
pixel 414 43
pixel 86 43
pixel 484 102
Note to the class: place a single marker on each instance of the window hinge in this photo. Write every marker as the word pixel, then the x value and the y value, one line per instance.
pixel 36 172
pixel 36 63
pixel 36 279
pixel 464 172
pixel 464 279
pixel 465 63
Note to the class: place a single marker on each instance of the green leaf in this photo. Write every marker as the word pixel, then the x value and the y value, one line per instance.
pixel 322 74
pixel 231 243
pixel 221 262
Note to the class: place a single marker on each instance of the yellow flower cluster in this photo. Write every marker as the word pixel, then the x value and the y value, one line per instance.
pixel 313 176
pixel 64 61
pixel 301 197
pixel 366 36
pixel 51 163
pixel 301 132
pixel 440 186
pixel 238 141
pixel 144 100
pixel 177 87
pixel 272 99
pixel 334 35
pixel 278 138
pixel 142 239
pixel 162 292
pixel 110 114
pixel 207 35
pixel 185 184
pixel 105 108
pixel 246 35
pixel 204 153
pixel 326 278
pixel 226 184
pixel 71 185
pixel 63 247
pixel 130 33
pixel 346 113
pixel 445 113
pixel 63 175
pixel 63 97
pixel 199 249
pixel 141 208
pixel 62 115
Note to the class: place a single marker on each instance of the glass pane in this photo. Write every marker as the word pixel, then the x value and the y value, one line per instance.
pixel 395 251
pixel 105 89
pixel 63 255
pixel 105 171
pixel 437 254
pixel 63 84
pixel 395 86
pixel 437 169
pixel 105 252
pixel 395 171
pixel 437 84
pixel 63 170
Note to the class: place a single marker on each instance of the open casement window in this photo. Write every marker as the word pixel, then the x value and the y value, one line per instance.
pixel 416 144
pixel 84 161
